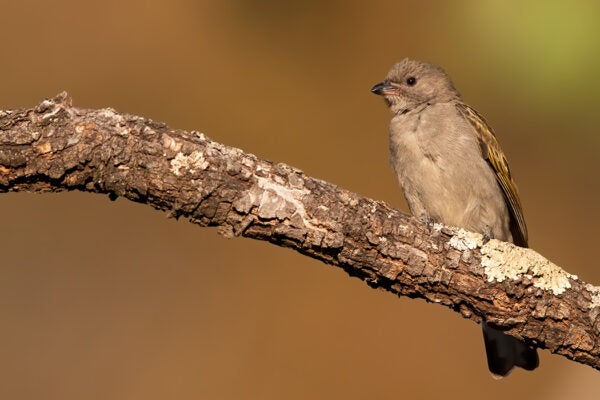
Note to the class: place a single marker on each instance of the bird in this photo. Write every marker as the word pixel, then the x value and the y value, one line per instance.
pixel 452 171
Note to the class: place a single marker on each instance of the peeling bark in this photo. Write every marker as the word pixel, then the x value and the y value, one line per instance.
pixel 56 147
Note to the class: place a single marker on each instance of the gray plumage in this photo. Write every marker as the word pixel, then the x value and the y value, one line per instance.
pixel 452 170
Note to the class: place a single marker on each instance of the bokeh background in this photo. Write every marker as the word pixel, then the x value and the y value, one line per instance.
pixel 112 300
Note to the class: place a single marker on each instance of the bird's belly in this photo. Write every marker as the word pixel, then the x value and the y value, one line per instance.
pixel 429 187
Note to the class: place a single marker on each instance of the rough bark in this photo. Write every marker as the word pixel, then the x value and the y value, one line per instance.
pixel 57 147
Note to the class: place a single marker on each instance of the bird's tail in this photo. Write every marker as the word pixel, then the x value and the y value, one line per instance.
pixel 506 352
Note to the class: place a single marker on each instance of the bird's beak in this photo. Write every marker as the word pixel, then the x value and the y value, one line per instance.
pixel 384 88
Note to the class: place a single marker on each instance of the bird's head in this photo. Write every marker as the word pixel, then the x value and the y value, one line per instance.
pixel 412 83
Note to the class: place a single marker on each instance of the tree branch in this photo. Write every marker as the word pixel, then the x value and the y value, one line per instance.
pixel 57 147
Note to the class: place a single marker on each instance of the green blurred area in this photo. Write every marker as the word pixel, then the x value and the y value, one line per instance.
pixel 112 300
pixel 547 47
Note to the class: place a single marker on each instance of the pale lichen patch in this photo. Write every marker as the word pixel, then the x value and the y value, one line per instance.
pixel 199 135
pixel 170 143
pixel 109 113
pixel 269 205
pixel 503 261
pixel 245 202
pixel 438 227
pixel 122 130
pixel 192 162
pixel 465 240
pixel 595 292
pixel 277 196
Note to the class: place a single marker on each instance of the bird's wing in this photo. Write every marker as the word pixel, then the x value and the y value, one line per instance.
pixel 492 153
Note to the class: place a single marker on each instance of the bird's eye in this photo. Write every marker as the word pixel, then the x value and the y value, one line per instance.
pixel 411 80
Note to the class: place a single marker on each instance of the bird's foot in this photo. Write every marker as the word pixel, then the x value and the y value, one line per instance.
pixel 428 221
pixel 486 238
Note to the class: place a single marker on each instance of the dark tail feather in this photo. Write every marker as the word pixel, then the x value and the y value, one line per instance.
pixel 506 352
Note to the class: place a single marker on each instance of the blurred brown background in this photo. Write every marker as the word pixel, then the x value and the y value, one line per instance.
pixel 111 300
